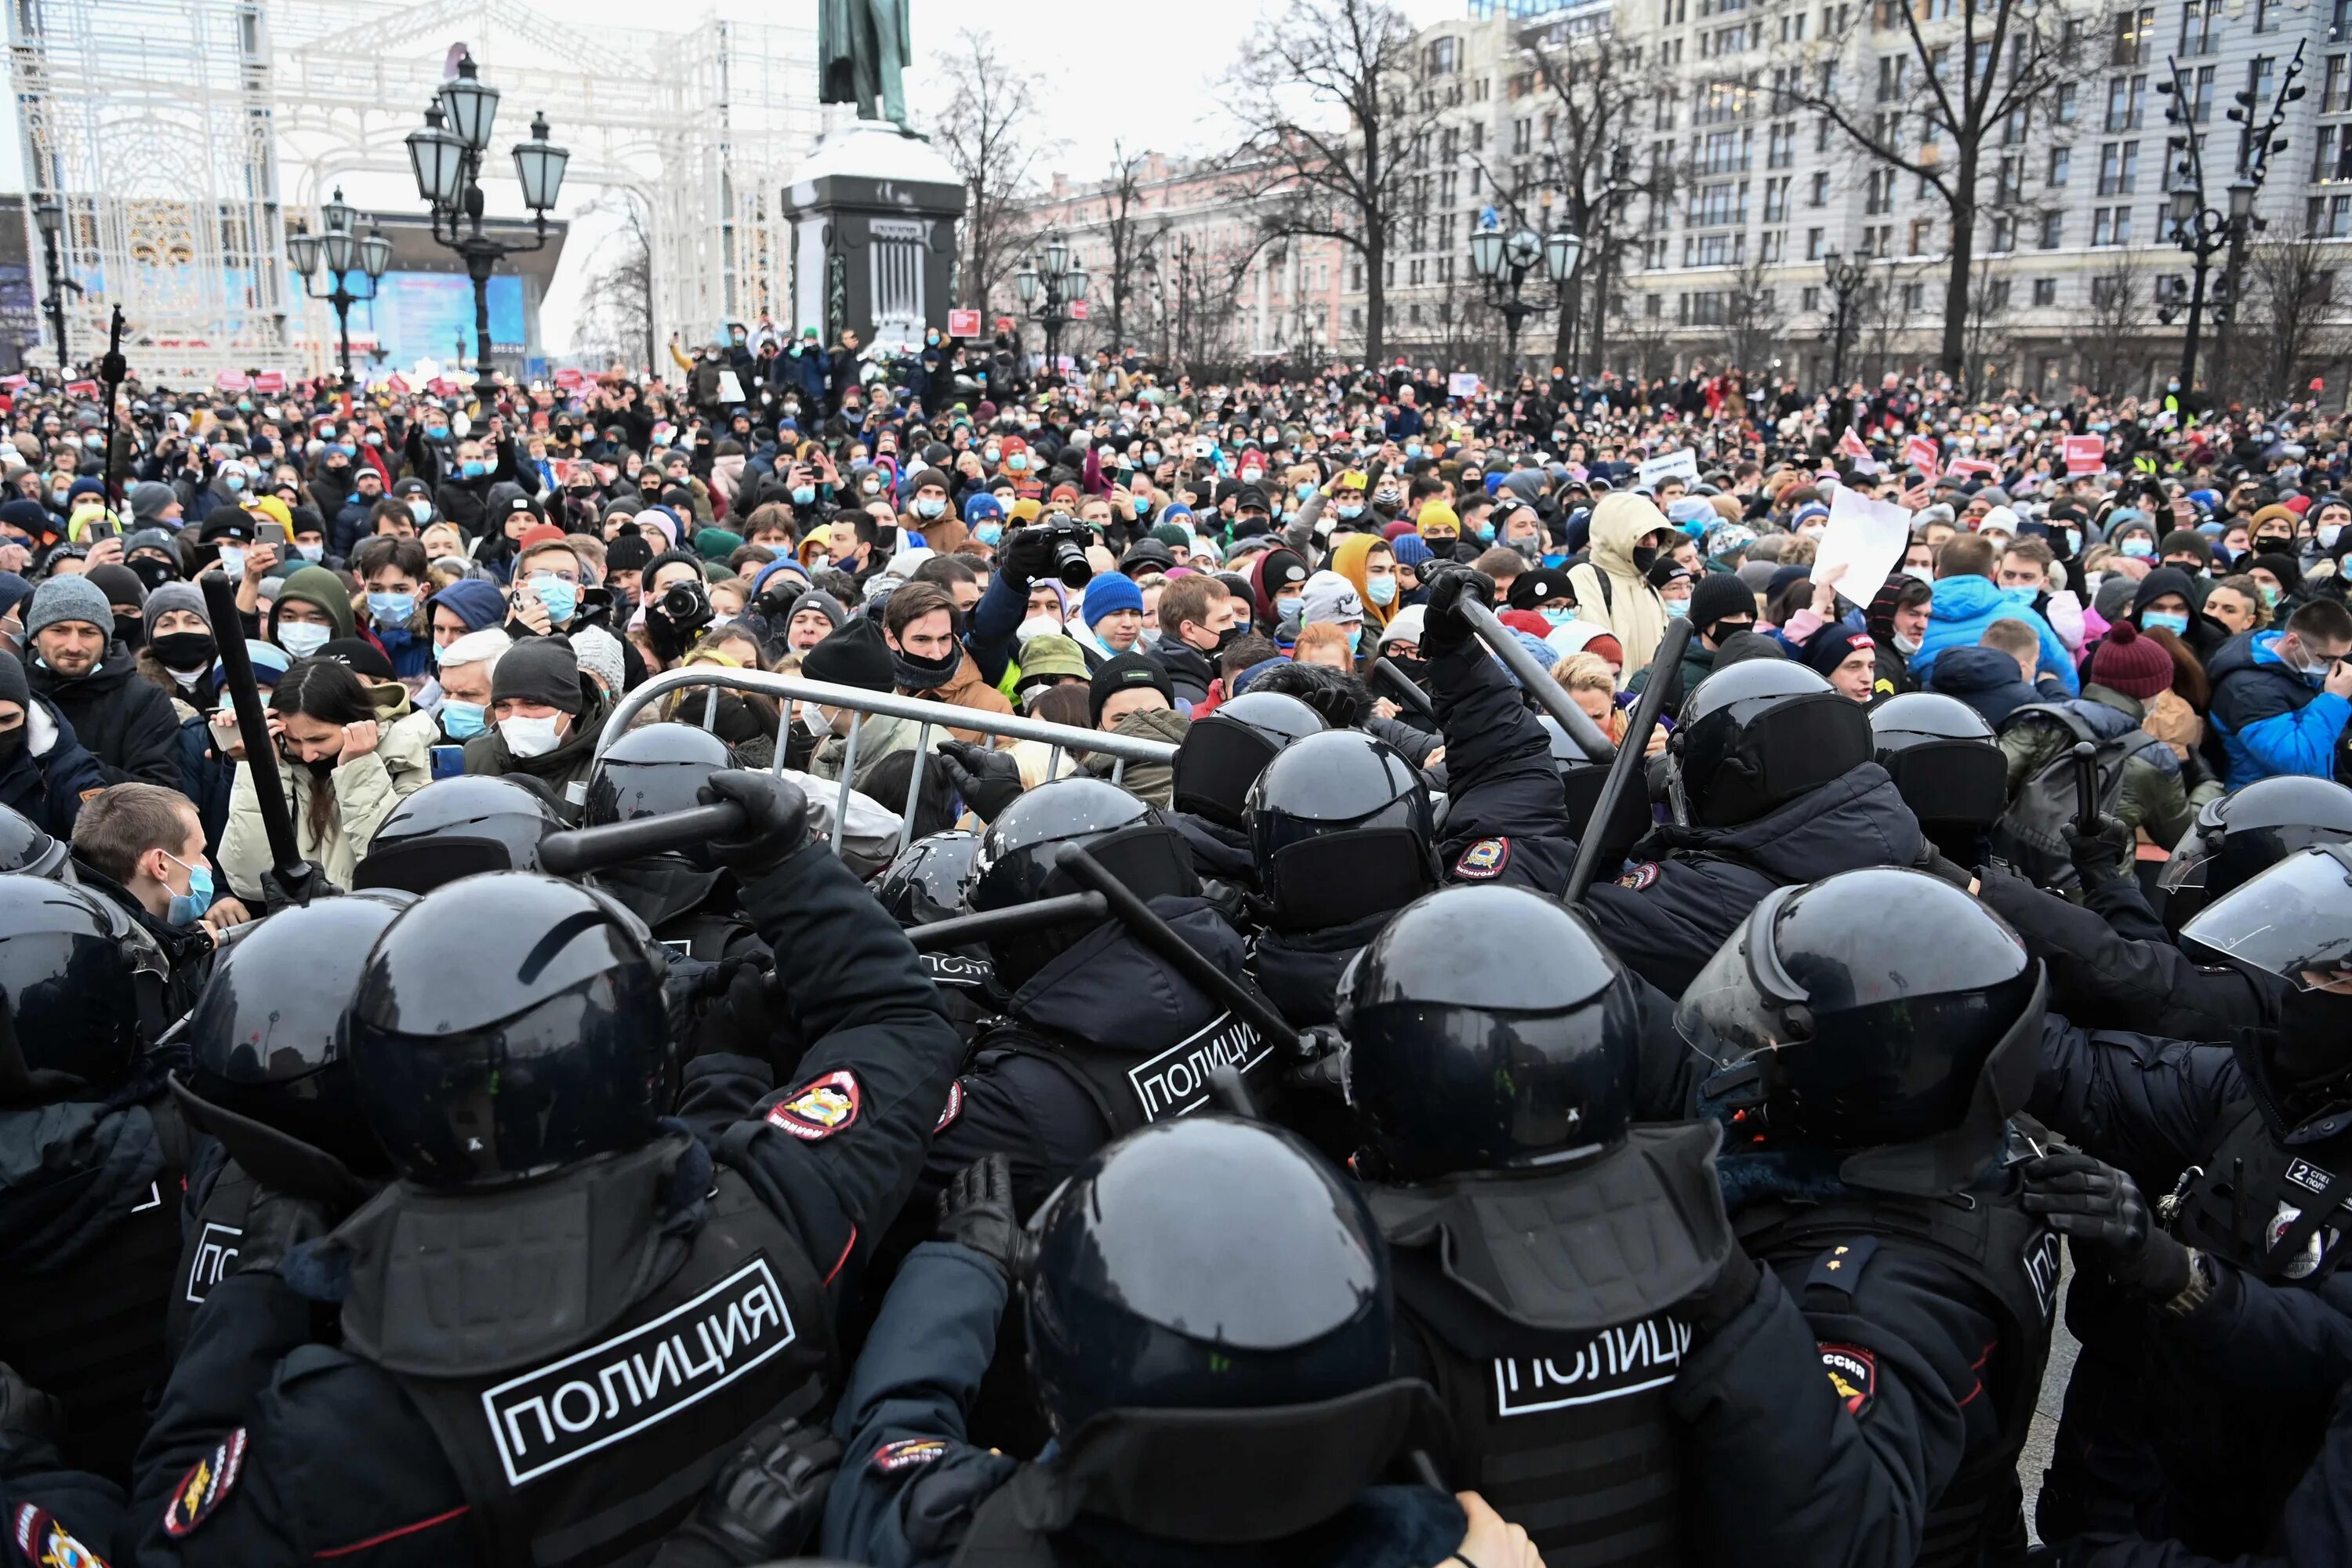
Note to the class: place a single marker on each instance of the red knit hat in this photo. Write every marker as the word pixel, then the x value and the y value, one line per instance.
pixel 2134 665
pixel 545 533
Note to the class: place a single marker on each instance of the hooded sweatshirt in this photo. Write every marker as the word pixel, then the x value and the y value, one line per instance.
pixel 1347 560
pixel 1611 591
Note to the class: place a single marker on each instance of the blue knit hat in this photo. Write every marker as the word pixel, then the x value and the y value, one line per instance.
pixel 1109 592
pixel 981 506
pixel 1410 550
pixel 475 601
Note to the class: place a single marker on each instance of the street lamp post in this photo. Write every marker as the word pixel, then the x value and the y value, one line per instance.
pixel 1844 277
pixel 1049 283
pixel 446 156
pixel 2205 231
pixel 50 215
pixel 329 258
pixel 1503 263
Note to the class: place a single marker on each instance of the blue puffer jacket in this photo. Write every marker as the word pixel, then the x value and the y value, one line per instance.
pixel 1964 606
pixel 2272 720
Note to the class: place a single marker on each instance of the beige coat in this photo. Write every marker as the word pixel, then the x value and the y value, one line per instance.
pixel 365 789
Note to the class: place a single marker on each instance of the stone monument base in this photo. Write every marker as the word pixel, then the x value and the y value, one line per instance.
pixel 873 211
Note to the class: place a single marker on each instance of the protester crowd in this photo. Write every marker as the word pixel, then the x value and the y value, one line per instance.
pixel 1404 1136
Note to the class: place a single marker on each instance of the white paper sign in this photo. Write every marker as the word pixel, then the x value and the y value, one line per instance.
pixel 731 387
pixel 1462 383
pixel 1867 537
pixel 1682 465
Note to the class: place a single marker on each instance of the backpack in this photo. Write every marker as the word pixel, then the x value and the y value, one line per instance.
pixel 2030 834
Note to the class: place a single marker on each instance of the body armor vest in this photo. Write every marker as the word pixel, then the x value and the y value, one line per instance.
pixel 2012 1259
pixel 2274 1212
pixel 207 1249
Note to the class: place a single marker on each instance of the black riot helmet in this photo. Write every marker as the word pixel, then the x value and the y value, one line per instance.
pixel 1758 734
pixel 1947 765
pixel 25 848
pixel 82 990
pixel 2293 923
pixel 1465 1056
pixel 1880 1012
pixel 510 1024
pixel 655 770
pixel 2236 837
pixel 1205 1263
pixel 1341 827
pixel 266 1039
pixel 1581 778
pixel 1223 754
pixel 925 883
pixel 458 827
pixel 1018 863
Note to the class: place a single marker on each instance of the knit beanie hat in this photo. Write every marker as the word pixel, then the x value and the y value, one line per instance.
pixel 320 589
pixel 70 599
pixel 120 584
pixel 600 654
pixel 148 499
pixel 178 596
pixel 2134 665
pixel 540 669
pixel 1719 594
pixel 1128 669
pixel 853 655
pixel 1330 597
pixel 1410 551
pixel 1109 593
pixel 1830 646
pixel 13 688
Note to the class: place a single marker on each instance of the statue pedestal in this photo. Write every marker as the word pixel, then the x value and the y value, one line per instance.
pixel 873 214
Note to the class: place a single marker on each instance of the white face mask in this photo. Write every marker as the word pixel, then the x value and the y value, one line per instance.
pixel 530 737
pixel 1037 626
pixel 302 639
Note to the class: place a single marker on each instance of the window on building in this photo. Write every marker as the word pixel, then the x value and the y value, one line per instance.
pixel 2133 27
pixel 1814 242
pixel 2045 291
pixel 1808 299
pixel 2062 160
pixel 2118 168
pixel 2054 230
pixel 2111 226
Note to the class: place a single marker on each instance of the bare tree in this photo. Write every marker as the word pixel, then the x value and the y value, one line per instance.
pixel 1752 316
pixel 1134 237
pixel 2293 322
pixel 1972 77
pixel 1332 122
pixel 1891 296
pixel 989 132
pixel 2114 326
pixel 1987 337
pixel 616 299
pixel 1645 342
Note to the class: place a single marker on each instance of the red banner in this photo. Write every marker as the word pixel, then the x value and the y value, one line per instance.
pixel 2086 454
pixel 1963 466
pixel 231 381
pixel 570 379
pixel 396 384
pixel 963 323
pixel 1922 453
pixel 270 381
pixel 84 389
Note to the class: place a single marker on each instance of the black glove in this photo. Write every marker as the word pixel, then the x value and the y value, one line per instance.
pixel 775 818
pixel 275 1224
pixel 2103 855
pixel 989 779
pixel 25 1410
pixel 1443 627
pixel 1932 861
pixel 976 1211
pixel 765 1501
pixel 294 888
pixel 2102 1209
pixel 1027 556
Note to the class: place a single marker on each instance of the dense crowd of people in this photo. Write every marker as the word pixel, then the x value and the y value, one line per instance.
pixel 1522 1015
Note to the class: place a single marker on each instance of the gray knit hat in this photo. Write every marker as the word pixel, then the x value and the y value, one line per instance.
pixel 68 599
pixel 177 596
pixel 599 653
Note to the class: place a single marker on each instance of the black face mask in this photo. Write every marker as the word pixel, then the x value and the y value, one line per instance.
pixel 12 742
pixel 1645 557
pixel 184 650
pixel 924 674
pixel 131 631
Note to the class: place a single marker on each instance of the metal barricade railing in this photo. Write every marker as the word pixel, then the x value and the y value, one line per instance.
pixel 791 688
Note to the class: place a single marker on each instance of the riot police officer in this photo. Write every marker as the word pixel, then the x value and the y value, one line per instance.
pixel 26 846
pixel 269 1081
pixel 685 898
pixel 1871 1036
pixel 1948 766
pixel 457 827
pixel 563 1317
pixel 925 884
pixel 1771 780
pixel 1339 828
pixel 1209 1313
pixel 1217 763
pixel 90 1224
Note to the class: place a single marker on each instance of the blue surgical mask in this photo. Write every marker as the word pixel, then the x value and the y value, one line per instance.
pixel 461 721
pixel 1412 448
pixel 1304 488
pixel 928 506
pixel 1349 510
pixel 437 432
pixel 1380 590
pixel 988 533
pixel 1556 616
pixel 2138 547
pixel 1676 606
pixel 2164 621
pixel 560 598
pixel 1486 533
pixel 1286 609
pixel 189 906
pixel 1355 638
pixel 391 609
pixel 472 469
pixel 421 509
pixel 302 639
pixel 1142 504
pixel 233 479
pixel 804 495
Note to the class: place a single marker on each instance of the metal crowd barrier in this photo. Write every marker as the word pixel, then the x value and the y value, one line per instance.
pixel 789 689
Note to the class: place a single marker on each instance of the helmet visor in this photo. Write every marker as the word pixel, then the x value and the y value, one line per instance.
pixel 2294 922
pixel 1742 1001
pixel 2195 852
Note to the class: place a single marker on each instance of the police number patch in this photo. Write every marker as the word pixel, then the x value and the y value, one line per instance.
pixel 205 1486
pixel 568 1409
pixel 820 1111
pixel 906 1456
pixel 1853 1373
pixel 46 1544
pixel 1484 860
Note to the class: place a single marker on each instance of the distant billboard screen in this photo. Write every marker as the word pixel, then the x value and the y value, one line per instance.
pixel 425 315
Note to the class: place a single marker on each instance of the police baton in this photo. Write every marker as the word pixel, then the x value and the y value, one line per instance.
pixel 1548 693
pixel 1163 939
pixel 286 862
pixel 962 931
pixel 1402 687
pixel 1628 759
pixel 576 851
pixel 2086 788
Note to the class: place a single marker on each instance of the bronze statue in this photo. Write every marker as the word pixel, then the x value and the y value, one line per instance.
pixel 861 48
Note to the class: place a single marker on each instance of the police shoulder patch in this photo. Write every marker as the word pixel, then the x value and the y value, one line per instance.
pixel 952 1110
pixel 42 1541
pixel 820 1109
pixel 1641 876
pixel 1484 860
pixel 1853 1374
pixel 205 1486
pixel 891 1457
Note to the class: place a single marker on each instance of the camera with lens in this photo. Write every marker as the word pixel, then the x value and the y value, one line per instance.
pixel 684 605
pixel 1067 539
